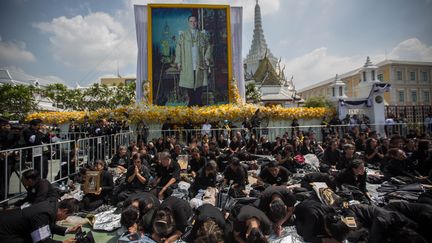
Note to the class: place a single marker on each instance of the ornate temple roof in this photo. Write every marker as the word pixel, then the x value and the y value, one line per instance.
pixel 259 46
pixel 266 73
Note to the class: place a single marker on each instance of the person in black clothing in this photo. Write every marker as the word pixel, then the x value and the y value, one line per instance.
pixel 383 225
pixel 354 175
pixel 147 205
pixel 314 222
pixel 37 222
pixel 420 213
pixel 137 177
pixel 235 174
pixel 347 156
pixel 167 176
pixel 278 203
pixel 234 145
pixel 34 136
pixel 38 190
pixel 91 201
pixel 197 162
pixel 206 178
pixel 8 140
pixel 331 155
pixel 274 174
pixel 424 161
pixel 207 153
pixel 222 142
pixel 307 147
pixel 373 153
pixel 205 216
pixel 167 128
pixel 396 164
pixel 251 225
pixel 171 219
pixel 121 159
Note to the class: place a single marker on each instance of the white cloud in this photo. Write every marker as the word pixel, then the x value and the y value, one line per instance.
pixel 267 6
pixel 14 52
pixel 95 42
pixel 412 49
pixel 319 64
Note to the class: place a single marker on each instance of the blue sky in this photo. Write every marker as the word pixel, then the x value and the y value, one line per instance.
pixel 81 41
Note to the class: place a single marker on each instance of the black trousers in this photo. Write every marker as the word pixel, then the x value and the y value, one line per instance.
pixel 195 96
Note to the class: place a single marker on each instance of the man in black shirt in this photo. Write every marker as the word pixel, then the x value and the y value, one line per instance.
pixel 37 222
pixel 120 159
pixel 235 174
pixel 197 162
pixel 278 203
pixel 38 190
pixel 251 224
pixel 354 175
pixel 273 174
pixel 137 177
pixel 34 136
pixel 202 214
pixel 180 211
pixel 167 175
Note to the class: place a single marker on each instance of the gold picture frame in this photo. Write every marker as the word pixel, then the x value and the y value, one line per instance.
pixel 92 181
pixel 175 96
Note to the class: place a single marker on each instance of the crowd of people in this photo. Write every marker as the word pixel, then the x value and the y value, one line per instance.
pixel 271 184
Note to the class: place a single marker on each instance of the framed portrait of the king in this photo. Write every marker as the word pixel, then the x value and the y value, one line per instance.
pixel 189 54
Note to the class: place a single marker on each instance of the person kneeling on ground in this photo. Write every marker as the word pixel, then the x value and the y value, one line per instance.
pixel 278 203
pixel 137 177
pixel 37 222
pixel 91 201
pixel 38 190
pixel 251 225
pixel 168 175
pixel 171 220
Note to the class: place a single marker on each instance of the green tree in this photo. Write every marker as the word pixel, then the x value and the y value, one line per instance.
pixel 318 102
pixel 123 95
pixel 253 95
pixel 17 101
pixel 58 94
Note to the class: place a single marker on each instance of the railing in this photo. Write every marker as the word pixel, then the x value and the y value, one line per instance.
pixel 102 147
pixel 54 161
pixel 187 135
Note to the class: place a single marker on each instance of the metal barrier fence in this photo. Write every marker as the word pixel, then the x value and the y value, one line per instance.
pixel 187 135
pixel 102 147
pixel 54 161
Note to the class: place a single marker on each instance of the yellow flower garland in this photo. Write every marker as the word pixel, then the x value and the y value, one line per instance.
pixel 157 114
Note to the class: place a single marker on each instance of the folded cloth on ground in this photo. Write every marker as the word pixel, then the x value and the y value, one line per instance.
pixel 72 221
pixel 107 220
pixel 289 235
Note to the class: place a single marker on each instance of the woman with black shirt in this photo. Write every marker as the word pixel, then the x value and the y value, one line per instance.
pixel 373 153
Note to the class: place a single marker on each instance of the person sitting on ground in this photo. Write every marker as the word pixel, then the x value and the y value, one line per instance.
pixel 396 164
pixel 91 201
pixel 331 154
pixel 348 155
pixel 137 178
pixel 121 159
pixel 373 152
pixel 167 176
pixel 197 162
pixel 251 225
pixel 354 175
pixel 38 189
pixel 37 222
pixel 277 202
pixel 171 219
pixel 274 174
pixel 206 178
pixel 235 175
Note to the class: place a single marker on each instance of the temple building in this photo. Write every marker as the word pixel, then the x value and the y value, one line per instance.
pixel 265 71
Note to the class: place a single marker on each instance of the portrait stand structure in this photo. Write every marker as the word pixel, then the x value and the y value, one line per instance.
pixel 146 52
